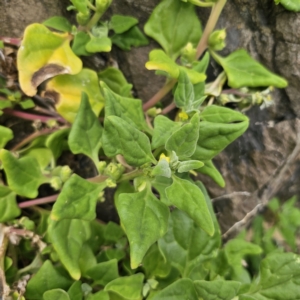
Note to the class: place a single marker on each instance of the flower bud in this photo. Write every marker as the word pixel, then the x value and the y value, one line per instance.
pixel 216 40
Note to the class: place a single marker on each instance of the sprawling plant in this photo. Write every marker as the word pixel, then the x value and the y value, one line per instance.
pixel 168 244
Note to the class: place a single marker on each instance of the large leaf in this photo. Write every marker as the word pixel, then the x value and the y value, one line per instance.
pixel 145 220
pixel 86 132
pixel 220 127
pixel 186 245
pixel 182 289
pixel 188 197
pixel 173 24
pixel 279 278
pixel 184 141
pixel 217 290
pixel 23 175
pixel 66 90
pixel 77 200
pixel 119 137
pixel 130 110
pixel 46 278
pixel 42 55
pixel 126 287
pixel 67 237
pixel 9 208
pixel 163 129
pixel 6 135
pixel 242 70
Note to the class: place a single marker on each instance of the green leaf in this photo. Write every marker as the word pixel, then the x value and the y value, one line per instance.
pixel 102 295
pixel 210 170
pixel 67 237
pixel 119 137
pixel 133 37
pixel 66 90
pixel 80 40
pixel 188 197
pixel 56 294
pixel 184 141
pixel 145 220
pixel 126 287
pixel 86 131
pixel 75 291
pixel 81 6
pixel 77 200
pixel 9 208
pixel 173 24
pixel 242 70
pixel 104 272
pixel 42 55
pixel 58 23
pixel 162 169
pixel 57 142
pixel 121 24
pixel 6 135
pixel 220 127
pixel 160 183
pixel 43 156
pixel 116 81
pixel 46 278
pixel 279 278
pixel 163 129
pixel 217 290
pixel 98 44
pixel 130 110
pixel 23 175
pixel 182 289
pixel 293 5
pixel 186 166
pixel 26 104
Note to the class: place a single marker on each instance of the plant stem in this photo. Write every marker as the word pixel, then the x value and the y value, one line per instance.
pixel 131 175
pixel 211 24
pixel 94 20
pixel 38 201
pixel 160 94
pixel 168 108
pixel 90 5
pixel 3 247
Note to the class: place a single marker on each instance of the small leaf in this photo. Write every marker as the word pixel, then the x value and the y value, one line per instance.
pixel 42 55
pixel 163 129
pixel 182 289
pixel 145 220
pixel 6 135
pixel 98 44
pixel 86 131
pixel 9 208
pixel 57 142
pixel 58 23
pixel 242 70
pixel 116 81
pixel 81 6
pixel 221 126
pixel 186 166
pixel 121 24
pixel 210 170
pixel 130 110
pixel 66 91
pixel 23 175
pixel 75 292
pixel 188 197
pixel 56 294
pixel 133 37
pixel 46 278
pixel 184 141
pixel 80 40
pixel 43 156
pixel 67 237
pixel 173 24
pixel 102 295
pixel 162 169
pixel 217 290
pixel 126 287
pixel 104 272
pixel 292 5
pixel 119 137
pixel 160 183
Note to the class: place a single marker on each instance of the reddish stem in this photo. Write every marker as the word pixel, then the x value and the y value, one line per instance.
pixel 11 41
pixel 168 108
pixel 49 199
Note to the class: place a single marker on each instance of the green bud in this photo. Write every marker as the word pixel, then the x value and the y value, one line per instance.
pixel 188 54
pixel 114 171
pixel 56 183
pixel 101 166
pixel 140 183
pixel 82 19
pixel 102 5
pixel 153 112
pixel 27 223
pixel 216 40
pixel 110 183
pixel 65 173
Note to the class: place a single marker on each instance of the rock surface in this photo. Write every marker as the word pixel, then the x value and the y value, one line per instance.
pixel 270 33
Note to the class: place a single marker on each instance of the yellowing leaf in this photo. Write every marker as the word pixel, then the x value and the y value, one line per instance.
pixel 42 55
pixel 66 91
